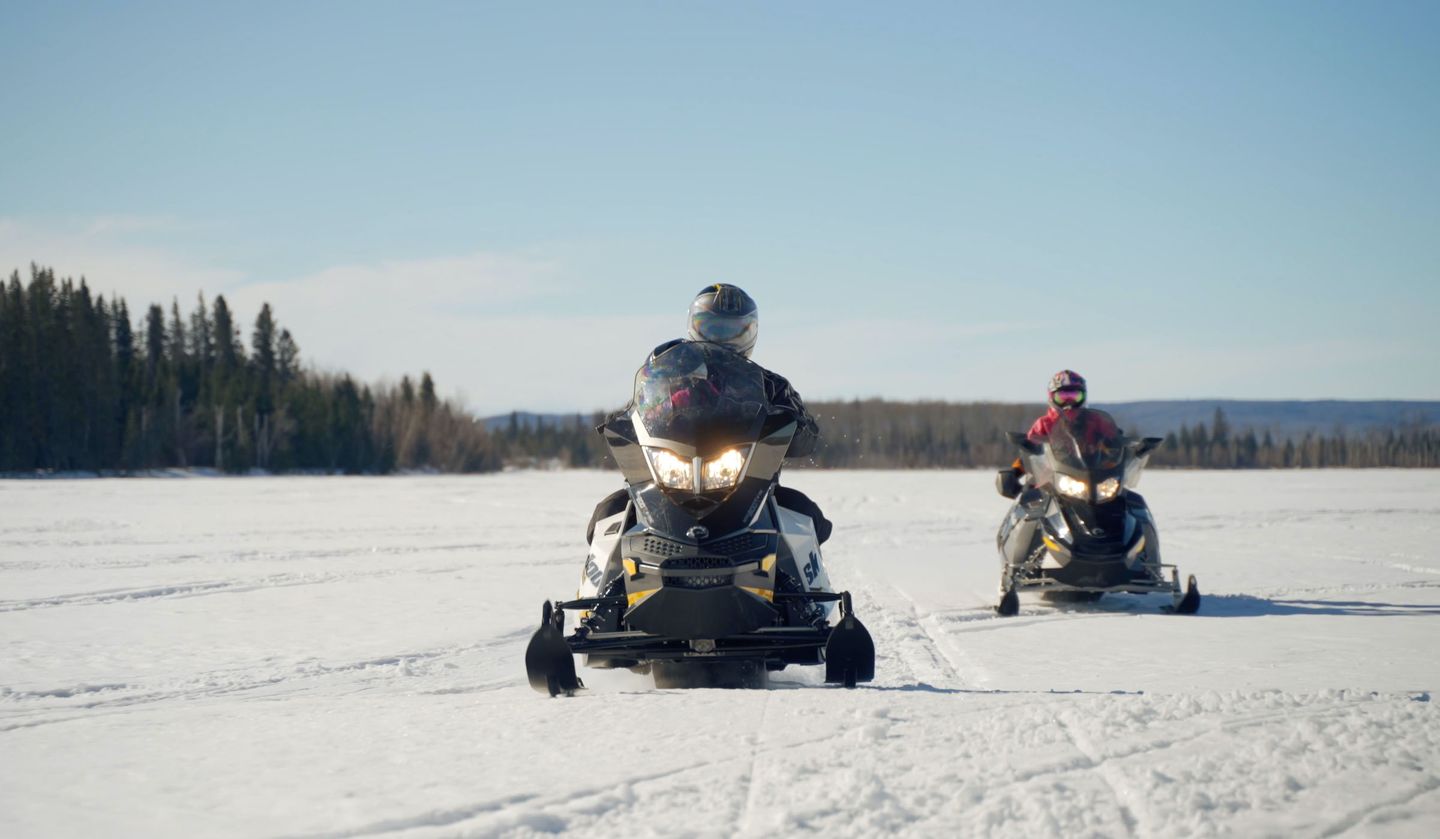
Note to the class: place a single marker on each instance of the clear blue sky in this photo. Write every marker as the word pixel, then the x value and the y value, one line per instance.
pixel 928 199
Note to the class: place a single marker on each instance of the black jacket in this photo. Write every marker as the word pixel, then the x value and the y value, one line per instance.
pixel 784 398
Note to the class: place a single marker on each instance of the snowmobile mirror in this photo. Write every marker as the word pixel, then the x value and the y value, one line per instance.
pixel 1148 445
pixel 1024 442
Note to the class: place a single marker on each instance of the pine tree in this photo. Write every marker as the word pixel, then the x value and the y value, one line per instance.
pixel 263 355
pixel 287 357
pixel 202 337
pixel 1220 427
pixel 227 338
pixel 13 374
pixel 179 346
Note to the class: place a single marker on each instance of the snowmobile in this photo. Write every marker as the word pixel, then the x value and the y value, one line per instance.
pixel 704 578
pixel 1078 529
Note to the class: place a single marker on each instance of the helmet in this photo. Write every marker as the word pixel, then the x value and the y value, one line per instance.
pixel 1067 389
pixel 725 314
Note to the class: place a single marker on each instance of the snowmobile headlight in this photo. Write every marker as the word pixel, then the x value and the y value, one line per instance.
pixel 671 470
pixel 723 472
pixel 1107 489
pixel 1071 486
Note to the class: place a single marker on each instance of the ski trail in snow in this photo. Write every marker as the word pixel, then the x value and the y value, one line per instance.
pixel 1113 780
pixel 35 708
pixel 1357 818
pixel 902 638
pixel 193 589
pixel 747 801
pixel 582 809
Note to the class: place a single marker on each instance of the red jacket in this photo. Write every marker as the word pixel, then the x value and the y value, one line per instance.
pixel 1092 425
pixel 1041 428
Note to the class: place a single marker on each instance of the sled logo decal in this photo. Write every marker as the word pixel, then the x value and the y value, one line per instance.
pixel 812 568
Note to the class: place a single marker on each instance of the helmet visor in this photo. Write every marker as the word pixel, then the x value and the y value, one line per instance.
pixel 719 328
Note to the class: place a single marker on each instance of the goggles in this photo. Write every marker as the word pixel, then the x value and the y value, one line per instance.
pixel 1067 397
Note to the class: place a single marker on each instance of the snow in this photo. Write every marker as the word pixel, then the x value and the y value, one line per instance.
pixel 337 657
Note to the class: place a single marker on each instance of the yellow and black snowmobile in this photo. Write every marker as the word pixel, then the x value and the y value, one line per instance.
pixel 705 572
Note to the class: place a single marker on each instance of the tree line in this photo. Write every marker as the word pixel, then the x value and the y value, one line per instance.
pixel 879 434
pixel 83 387
pixel 906 435
pixel 1219 446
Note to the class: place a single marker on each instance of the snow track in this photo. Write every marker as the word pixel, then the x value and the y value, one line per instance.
pixel 318 657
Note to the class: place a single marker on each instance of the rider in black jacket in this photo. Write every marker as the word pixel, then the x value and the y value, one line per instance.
pixel 724 314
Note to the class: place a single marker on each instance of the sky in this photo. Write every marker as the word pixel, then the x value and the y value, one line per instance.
pixel 928 200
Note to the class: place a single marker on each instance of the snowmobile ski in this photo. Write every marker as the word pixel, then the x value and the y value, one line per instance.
pixel 1189 603
pixel 850 651
pixel 548 662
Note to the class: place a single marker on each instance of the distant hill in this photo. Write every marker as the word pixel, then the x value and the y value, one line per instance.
pixel 527 420
pixel 1283 418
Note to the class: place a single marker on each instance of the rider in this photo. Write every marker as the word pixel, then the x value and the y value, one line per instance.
pixel 724 314
pixel 1066 396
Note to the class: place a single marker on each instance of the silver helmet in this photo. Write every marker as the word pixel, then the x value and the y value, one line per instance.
pixel 725 314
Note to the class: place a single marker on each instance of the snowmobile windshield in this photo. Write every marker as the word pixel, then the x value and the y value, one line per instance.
pixel 698 393
pixel 1089 441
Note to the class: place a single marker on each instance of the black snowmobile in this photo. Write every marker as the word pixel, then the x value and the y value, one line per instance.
pixel 705 577
pixel 1078 529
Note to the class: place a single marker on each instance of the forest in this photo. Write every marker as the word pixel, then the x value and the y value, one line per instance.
pixel 84 387
pixel 87 386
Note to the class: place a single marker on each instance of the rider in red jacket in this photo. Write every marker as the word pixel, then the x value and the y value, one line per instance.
pixel 1066 396
pixel 1066 393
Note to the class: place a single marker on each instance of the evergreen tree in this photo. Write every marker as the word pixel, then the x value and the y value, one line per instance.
pixel 1220 427
pixel 287 357
pixel 227 338
pixel 263 357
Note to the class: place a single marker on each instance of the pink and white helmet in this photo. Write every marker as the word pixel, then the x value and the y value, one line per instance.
pixel 1067 389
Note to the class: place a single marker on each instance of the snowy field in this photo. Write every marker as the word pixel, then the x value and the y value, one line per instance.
pixel 332 657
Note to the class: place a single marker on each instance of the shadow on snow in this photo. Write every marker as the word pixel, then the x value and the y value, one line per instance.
pixel 1247 606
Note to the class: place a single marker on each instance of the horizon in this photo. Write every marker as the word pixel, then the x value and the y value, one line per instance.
pixel 928 201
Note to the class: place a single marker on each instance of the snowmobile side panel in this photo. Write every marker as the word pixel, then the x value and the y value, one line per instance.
pixel 602 564
pixel 799 532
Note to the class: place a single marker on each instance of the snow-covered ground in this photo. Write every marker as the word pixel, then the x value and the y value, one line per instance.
pixel 329 657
